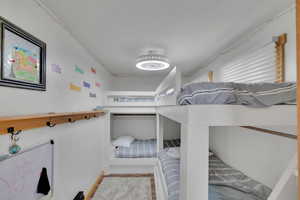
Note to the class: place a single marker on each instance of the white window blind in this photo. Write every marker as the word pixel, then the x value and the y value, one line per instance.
pixel 256 66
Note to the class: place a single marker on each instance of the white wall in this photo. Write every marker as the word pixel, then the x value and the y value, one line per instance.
pixel 140 127
pixel 131 83
pixel 261 156
pixel 171 129
pixel 76 144
pixel 284 23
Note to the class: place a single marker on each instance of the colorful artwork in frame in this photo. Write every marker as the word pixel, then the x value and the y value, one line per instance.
pixel 23 58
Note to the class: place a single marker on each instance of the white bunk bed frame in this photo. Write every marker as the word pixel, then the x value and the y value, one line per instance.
pixel 196 121
pixel 125 165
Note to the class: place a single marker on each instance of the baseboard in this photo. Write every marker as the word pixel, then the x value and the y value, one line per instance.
pixel 94 187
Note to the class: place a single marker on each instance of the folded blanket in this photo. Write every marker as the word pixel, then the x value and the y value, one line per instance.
pixel 255 94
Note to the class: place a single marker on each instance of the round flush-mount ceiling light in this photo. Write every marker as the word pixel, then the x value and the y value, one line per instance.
pixel 152 62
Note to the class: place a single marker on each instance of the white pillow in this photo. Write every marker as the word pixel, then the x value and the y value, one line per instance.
pixel 174 152
pixel 123 141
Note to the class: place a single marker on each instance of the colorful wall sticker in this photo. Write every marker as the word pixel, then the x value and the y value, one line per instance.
pixel 93 95
pixel 78 69
pixel 93 70
pixel 56 68
pixel 98 84
pixel 75 87
pixel 86 84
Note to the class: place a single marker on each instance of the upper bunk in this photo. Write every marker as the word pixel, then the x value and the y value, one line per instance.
pixel 246 90
pixel 164 102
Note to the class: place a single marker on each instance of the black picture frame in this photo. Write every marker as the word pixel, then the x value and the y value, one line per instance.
pixel 40 84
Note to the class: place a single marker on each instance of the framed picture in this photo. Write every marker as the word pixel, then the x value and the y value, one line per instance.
pixel 23 58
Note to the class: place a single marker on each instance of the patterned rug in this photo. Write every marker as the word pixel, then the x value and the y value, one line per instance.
pixel 126 187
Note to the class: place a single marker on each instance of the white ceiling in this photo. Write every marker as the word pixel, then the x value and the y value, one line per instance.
pixel 115 32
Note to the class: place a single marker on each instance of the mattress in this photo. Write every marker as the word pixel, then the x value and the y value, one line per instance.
pixel 255 94
pixel 138 149
pixel 225 183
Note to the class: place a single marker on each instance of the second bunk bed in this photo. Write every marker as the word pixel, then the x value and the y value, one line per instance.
pixel 201 107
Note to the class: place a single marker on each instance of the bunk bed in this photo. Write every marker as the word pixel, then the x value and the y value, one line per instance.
pixel 141 155
pixel 226 104
pixel 197 119
pixel 202 105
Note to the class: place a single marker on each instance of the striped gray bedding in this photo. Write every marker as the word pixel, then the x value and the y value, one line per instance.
pixel 171 170
pixel 143 148
pixel 255 94
pixel 138 149
pixel 224 178
pixel 225 183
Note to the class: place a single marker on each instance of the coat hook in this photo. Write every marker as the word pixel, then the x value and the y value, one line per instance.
pixel 70 120
pixel 87 117
pixel 11 130
pixel 50 124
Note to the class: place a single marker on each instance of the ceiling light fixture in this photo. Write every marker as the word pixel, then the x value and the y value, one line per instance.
pixel 152 62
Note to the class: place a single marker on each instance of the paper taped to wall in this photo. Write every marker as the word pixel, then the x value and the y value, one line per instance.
pixel 86 84
pixel 79 70
pixel 56 68
pixel 75 87
pixel 93 70
pixel 93 95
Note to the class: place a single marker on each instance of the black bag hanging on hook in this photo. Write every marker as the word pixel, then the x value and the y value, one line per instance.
pixel 79 196
pixel 43 185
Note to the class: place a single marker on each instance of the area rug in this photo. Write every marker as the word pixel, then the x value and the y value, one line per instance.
pixel 126 187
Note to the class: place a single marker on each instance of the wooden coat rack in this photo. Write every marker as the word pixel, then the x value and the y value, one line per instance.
pixel 26 122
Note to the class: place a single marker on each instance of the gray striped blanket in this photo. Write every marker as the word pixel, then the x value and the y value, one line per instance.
pixel 138 149
pixel 171 170
pixel 255 94
pixel 225 183
pixel 226 178
pixel 143 148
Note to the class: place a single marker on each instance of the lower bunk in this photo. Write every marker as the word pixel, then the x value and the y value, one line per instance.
pixel 225 182
pixel 142 148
